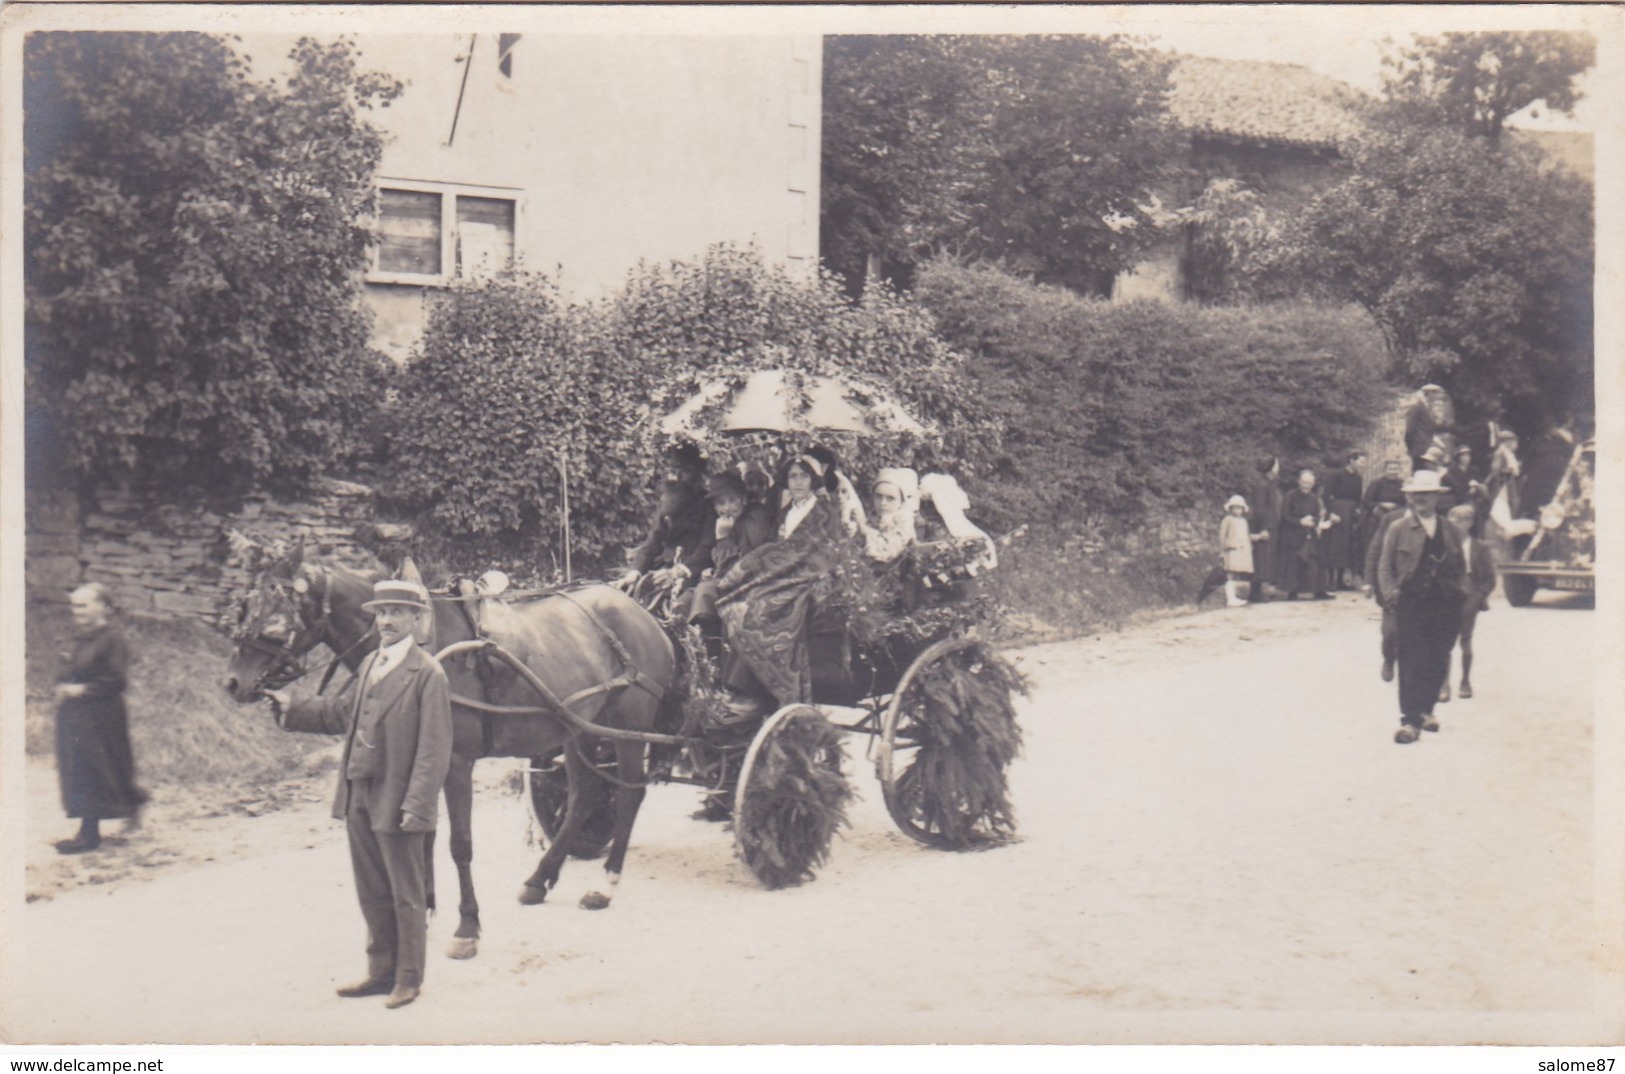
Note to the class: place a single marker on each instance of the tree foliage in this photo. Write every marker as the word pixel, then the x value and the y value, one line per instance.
pixel 1038 151
pixel 1475 259
pixel 195 244
pixel 1475 81
pixel 1111 410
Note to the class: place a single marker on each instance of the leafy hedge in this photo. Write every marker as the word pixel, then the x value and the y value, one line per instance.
pixel 509 374
pixel 509 379
pixel 1109 411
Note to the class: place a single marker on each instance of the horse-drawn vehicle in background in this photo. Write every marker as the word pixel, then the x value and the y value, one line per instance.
pixel 603 699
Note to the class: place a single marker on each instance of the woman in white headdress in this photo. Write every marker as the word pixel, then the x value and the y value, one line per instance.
pixel 951 503
pixel 895 495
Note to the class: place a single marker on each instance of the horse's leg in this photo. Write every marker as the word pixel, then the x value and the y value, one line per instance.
pixel 630 768
pixel 460 814
pixel 577 771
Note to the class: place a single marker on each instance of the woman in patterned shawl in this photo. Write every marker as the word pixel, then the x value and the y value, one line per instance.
pixel 767 598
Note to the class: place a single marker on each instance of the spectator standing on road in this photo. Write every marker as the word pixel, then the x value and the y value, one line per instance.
pixel 1235 549
pixel 1381 496
pixel 1478 582
pixel 1373 588
pixel 396 724
pixel 1420 574
pixel 1303 520
pixel 1339 545
pixel 94 762
pixel 1263 519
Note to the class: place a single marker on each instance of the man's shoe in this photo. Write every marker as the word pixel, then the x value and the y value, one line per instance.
pixel 1406 735
pixel 1466 691
pixel 372 986
pixel 1430 724
pixel 403 994
pixel 1444 693
pixel 1387 671
pixel 76 845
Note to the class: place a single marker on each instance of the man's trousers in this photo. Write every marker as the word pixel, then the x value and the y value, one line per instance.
pixel 390 884
pixel 1424 634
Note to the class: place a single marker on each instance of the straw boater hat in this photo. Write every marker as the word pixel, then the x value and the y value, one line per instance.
pixel 1423 481
pixel 400 592
pixel 1235 501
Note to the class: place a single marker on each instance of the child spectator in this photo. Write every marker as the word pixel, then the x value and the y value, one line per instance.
pixel 1236 549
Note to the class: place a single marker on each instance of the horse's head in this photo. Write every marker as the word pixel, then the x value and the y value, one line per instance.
pixel 278 622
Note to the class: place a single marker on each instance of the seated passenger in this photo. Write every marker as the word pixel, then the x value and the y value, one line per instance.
pixel 949 525
pixel 683 527
pixel 848 504
pixel 766 598
pixel 895 496
pixel 740 527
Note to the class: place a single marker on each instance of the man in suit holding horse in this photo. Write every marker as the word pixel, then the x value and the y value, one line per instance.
pixel 397 750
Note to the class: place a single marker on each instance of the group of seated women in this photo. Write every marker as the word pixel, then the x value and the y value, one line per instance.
pixel 753 558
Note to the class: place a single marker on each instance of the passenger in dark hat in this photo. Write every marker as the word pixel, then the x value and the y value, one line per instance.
pixel 739 527
pixel 680 534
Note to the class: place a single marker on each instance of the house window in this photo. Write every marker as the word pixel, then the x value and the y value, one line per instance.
pixel 433 233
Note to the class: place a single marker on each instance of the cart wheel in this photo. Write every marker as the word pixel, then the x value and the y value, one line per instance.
pixel 947 738
pixel 1520 589
pixel 791 797
pixel 550 792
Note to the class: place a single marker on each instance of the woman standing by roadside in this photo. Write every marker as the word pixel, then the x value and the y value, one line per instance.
pixel 1264 520
pixel 94 762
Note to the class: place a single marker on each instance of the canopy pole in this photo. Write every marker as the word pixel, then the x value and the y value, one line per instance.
pixel 564 500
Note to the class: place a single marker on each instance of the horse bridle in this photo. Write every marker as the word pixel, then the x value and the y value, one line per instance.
pixel 288 658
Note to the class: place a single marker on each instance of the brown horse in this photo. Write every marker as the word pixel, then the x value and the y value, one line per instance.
pixel 593 646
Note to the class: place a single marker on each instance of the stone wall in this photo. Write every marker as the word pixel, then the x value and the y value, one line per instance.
pixel 1186 533
pixel 159 559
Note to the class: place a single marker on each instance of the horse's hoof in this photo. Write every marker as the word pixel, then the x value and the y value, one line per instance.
pixel 594 900
pixel 532 896
pixel 462 947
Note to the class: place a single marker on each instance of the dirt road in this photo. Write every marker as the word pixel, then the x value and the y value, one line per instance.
pixel 1221 842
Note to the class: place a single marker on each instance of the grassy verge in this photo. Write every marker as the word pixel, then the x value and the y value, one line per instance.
pixel 183 727
pixel 1050 590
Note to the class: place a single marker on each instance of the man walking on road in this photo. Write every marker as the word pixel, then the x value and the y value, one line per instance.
pixel 397 750
pixel 1419 576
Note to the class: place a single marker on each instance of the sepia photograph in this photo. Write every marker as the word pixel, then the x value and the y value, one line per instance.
pixel 850 525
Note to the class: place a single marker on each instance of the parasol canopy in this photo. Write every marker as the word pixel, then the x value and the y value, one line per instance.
pixel 779 401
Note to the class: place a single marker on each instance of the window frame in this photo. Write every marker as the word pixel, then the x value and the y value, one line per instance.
pixel 449 236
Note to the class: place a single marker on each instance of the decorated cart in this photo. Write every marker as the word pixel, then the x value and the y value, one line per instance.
pixel 896 661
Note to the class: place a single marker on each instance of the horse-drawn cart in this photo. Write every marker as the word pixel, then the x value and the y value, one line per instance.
pixel 603 699
pixel 940 732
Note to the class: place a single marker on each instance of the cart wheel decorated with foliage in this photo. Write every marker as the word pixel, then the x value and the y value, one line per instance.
pixel 792 796
pixel 549 790
pixel 947 739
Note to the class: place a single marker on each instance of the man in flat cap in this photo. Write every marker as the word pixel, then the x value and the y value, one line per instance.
pixel 397 749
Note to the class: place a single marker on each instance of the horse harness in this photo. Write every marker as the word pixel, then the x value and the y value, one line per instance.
pixel 563 707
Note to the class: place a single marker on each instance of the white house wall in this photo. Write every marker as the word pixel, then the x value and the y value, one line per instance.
pixel 622 148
